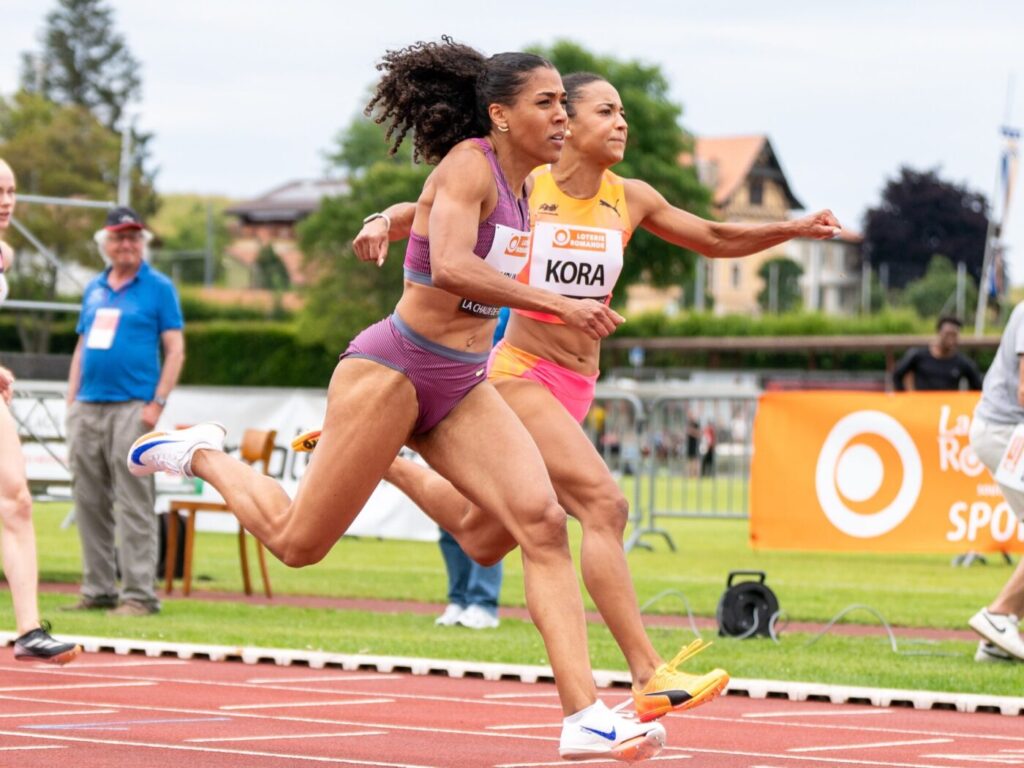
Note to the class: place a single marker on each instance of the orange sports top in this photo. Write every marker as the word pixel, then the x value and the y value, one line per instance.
pixel 576 246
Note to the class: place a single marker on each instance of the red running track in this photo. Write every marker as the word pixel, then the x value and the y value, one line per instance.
pixel 107 711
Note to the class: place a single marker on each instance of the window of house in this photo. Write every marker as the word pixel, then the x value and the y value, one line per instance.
pixel 736 275
pixel 756 191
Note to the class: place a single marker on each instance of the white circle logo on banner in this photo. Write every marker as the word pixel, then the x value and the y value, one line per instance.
pixel 857 472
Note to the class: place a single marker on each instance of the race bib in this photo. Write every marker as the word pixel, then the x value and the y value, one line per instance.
pixel 1011 467
pixel 575 261
pixel 3 287
pixel 104 328
pixel 508 254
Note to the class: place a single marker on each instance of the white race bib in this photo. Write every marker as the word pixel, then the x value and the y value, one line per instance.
pixel 104 328
pixel 508 254
pixel 1011 467
pixel 3 287
pixel 575 261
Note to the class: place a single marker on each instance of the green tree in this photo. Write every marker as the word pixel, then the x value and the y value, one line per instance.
pixel 934 293
pixel 269 272
pixel 919 216
pixel 361 145
pixel 65 152
pixel 789 296
pixel 61 151
pixel 656 142
pixel 83 61
pixel 184 225
pixel 348 295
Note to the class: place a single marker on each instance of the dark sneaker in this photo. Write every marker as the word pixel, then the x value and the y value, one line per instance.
pixel 133 608
pixel 37 645
pixel 90 604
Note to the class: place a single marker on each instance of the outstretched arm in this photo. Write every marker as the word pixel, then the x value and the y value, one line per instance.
pixel 719 239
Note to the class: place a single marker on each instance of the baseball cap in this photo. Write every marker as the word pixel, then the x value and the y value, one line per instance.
pixel 122 218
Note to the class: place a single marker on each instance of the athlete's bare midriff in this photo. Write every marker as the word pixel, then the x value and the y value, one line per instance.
pixel 555 342
pixel 435 314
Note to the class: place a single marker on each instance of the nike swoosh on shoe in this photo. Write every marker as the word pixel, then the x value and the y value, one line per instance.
pixel 137 453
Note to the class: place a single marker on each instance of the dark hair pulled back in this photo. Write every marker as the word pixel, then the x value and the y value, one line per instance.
pixel 574 85
pixel 441 92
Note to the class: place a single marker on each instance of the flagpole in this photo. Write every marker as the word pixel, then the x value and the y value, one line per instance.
pixel 991 231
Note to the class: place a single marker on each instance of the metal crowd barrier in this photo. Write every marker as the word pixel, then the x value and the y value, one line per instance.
pixel 696 454
pixel 657 445
pixel 38 409
pixel 615 426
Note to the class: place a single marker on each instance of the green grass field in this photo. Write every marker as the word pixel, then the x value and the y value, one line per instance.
pixel 909 591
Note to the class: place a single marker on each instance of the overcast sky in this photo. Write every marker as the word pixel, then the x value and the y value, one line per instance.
pixel 246 94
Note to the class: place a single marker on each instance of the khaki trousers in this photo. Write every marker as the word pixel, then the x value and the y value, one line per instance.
pixel 113 508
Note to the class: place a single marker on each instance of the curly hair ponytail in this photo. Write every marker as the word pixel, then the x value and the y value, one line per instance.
pixel 441 92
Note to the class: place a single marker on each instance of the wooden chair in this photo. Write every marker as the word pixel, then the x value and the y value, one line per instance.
pixel 257 446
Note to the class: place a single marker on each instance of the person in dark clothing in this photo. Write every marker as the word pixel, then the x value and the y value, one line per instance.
pixel 938 366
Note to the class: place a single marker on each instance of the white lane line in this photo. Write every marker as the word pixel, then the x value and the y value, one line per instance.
pixel 40 746
pixel 212 750
pixel 115 725
pixel 544 695
pixel 863 729
pixel 301 689
pixel 342 702
pixel 592 761
pixel 311 678
pixel 64 687
pixel 817 760
pixel 875 745
pixel 120 664
pixel 988 759
pixel 522 727
pixel 282 737
pixel 64 713
pixel 433 729
pixel 818 713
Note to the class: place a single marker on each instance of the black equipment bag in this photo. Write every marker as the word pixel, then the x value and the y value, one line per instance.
pixel 746 608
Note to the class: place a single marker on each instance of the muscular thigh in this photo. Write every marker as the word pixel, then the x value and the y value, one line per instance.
pixel 486 452
pixel 578 473
pixel 370 413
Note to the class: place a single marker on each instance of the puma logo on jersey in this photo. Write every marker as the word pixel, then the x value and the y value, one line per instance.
pixel 548 207
pixel 615 207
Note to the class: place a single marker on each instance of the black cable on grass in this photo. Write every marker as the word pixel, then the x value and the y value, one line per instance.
pixel 774 631
pixel 885 624
pixel 686 603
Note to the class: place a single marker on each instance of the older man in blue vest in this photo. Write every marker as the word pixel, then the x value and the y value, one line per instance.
pixel 117 388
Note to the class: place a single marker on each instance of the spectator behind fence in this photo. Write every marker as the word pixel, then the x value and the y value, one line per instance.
pixel 938 366
pixel 1000 411
pixel 708 442
pixel 18 540
pixel 117 390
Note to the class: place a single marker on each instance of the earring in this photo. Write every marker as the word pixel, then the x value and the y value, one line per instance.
pixel 568 132
pixel 503 128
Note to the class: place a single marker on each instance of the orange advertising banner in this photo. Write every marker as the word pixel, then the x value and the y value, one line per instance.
pixel 874 472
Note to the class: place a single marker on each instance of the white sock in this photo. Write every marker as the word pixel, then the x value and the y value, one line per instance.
pixel 575 717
